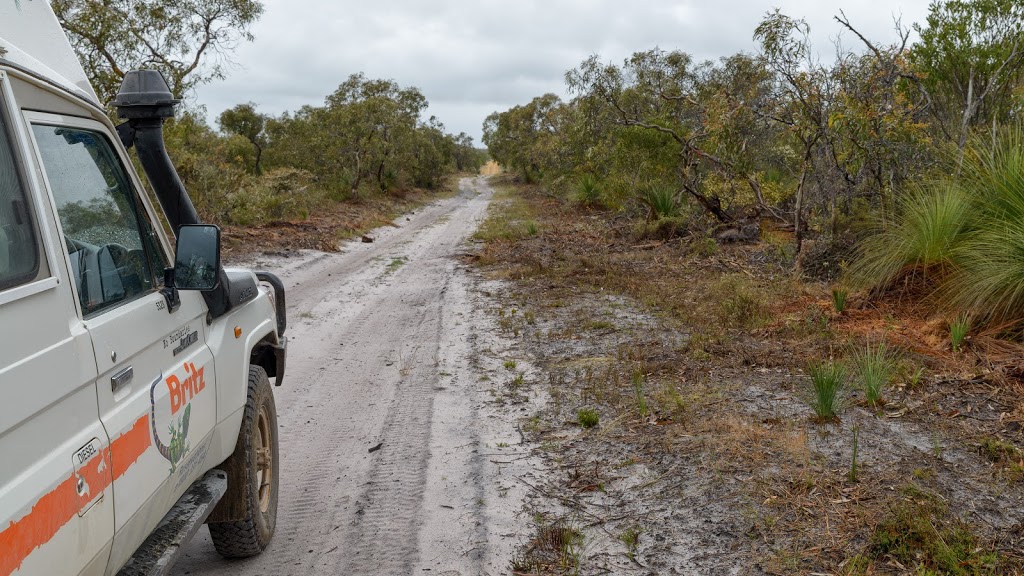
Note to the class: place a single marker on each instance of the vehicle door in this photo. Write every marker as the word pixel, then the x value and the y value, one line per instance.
pixel 56 506
pixel 156 378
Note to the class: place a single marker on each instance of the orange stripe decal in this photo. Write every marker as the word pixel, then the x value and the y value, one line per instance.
pixel 36 528
pixel 60 505
pixel 130 446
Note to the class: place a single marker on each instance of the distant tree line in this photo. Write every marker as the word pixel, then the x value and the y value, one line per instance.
pixel 367 138
pixel 822 146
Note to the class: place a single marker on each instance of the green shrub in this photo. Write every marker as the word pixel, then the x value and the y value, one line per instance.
pixel 587 418
pixel 740 303
pixel 964 233
pixel 663 228
pixel 589 191
pixel 280 194
pixel 661 201
pixel 918 533
pixel 990 280
pixel 929 223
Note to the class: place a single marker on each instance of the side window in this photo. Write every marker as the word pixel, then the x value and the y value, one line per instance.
pixel 111 245
pixel 19 253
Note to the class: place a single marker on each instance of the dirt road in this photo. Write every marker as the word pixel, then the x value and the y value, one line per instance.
pixel 387 426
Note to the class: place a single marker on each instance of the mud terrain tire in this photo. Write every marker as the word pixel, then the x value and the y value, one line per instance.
pixel 258 451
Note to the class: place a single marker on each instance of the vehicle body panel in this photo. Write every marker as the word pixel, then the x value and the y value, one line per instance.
pixel 47 379
pixel 92 459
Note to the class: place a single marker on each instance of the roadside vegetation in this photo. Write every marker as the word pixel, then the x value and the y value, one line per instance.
pixel 791 289
pixel 310 178
pixel 303 179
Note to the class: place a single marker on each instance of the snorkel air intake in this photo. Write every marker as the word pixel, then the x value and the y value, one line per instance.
pixel 145 101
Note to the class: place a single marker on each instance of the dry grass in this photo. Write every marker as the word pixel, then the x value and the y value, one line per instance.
pixel 326 229
pixel 718 340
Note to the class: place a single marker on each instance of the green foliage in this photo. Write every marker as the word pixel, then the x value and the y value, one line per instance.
pixel 918 533
pixel 213 168
pixel 827 387
pixel 989 285
pixel 245 121
pixel 921 239
pixel 589 192
pixel 176 37
pixel 638 392
pixel 587 417
pixel 969 60
pixel 739 303
pixel 778 131
pixel 660 200
pixel 958 330
pixel 963 234
pixel 367 138
pixel 875 366
pixel 525 138
pixel 839 299
pixel 631 538
pixel 1000 452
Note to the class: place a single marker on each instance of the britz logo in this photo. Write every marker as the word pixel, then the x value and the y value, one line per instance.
pixel 182 392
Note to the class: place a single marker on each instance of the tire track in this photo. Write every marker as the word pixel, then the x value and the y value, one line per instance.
pixel 365 370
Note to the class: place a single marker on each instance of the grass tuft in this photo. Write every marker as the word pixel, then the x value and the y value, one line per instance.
pixel 587 418
pixel 963 235
pixel 557 548
pixel 638 391
pixel 589 191
pixel 839 299
pixel 825 395
pixel 930 222
pixel 661 201
pixel 958 330
pixel 875 366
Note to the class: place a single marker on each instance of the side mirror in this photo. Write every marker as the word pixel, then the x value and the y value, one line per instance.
pixel 197 257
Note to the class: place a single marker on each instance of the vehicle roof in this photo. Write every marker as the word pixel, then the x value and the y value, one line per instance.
pixel 32 39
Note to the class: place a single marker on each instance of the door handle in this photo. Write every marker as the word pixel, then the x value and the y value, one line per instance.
pixel 122 378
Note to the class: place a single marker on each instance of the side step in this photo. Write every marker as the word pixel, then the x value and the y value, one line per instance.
pixel 159 552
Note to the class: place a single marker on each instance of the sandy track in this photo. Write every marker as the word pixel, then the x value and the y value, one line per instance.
pixel 385 343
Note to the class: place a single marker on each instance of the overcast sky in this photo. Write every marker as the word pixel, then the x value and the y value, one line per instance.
pixel 472 58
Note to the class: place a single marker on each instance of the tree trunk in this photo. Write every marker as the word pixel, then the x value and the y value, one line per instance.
pixel 798 216
pixel 965 120
pixel 712 205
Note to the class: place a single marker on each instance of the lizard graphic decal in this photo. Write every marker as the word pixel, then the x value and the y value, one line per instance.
pixel 179 445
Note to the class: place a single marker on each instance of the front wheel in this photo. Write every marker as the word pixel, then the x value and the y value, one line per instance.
pixel 256 458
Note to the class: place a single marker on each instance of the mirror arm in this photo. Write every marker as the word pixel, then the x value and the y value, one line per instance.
pixel 170 292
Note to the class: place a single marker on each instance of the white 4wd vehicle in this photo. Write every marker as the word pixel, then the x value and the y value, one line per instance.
pixel 135 401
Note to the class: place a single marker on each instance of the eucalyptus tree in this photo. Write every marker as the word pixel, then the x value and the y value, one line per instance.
pixel 245 121
pixel 696 117
pixel 971 60
pixel 190 41
pixel 523 137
